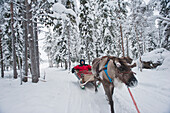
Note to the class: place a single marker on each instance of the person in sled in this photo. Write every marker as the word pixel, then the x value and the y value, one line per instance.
pixel 82 69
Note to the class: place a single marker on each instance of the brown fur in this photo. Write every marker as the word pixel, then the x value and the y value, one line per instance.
pixel 128 59
pixel 117 68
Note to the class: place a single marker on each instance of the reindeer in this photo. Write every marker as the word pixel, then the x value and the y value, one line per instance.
pixel 109 69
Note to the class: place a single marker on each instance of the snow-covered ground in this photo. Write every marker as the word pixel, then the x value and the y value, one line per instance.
pixel 62 94
pixel 158 55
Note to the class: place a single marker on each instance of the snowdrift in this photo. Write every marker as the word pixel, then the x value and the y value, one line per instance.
pixel 160 56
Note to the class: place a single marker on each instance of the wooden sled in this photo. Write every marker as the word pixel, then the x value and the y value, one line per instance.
pixel 85 79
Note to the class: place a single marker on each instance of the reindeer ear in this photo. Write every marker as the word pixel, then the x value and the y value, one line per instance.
pixel 117 63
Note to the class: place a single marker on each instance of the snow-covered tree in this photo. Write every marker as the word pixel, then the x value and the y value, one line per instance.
pixel 143 35
pixel 6 35
pixel 65 30
pixel 86 30
pixel 48 45
pixel 164 24
pixel 110 19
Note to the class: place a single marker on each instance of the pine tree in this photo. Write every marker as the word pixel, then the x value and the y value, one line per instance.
pixel 35 30
pixel 164 25
pixel 2 64
pixel 136 24
pixel 143 33
pixel 121 17
pixel 31 39
pixel 6 36
pixel 1 50
pixel 17 34
pixel 25 45
pixel 58 33
pixel 86 30
pixel 48 46
pixel 13 42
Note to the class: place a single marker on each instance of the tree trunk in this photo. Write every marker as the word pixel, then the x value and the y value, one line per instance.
pixel 89 58
pixel 25 51
pixel 66 66
pixel 127 46
pixel 36 47
pixel 119 45
pixel 87 50
pixel 122 40
pixel 50 60
pixel 36 42
pixel 143 45
pixel 13 43
pixel 61 64
pixel 97 51
pixel 31 44
pixel 68 35
pixel 159 39
pixel 19 67
pixel 2 64
pixel 121 31
pixel 139 54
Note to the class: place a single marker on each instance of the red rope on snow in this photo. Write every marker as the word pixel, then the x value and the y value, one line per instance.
pixel 133 101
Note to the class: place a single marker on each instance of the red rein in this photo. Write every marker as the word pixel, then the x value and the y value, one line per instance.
pixel 133 101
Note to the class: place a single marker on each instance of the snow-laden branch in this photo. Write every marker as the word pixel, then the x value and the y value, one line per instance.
pixel 162 18
pixel 59 8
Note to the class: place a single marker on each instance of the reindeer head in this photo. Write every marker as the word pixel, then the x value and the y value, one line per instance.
pixel 124 72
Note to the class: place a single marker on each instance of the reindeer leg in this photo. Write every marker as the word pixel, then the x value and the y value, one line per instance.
pixel 95 84
pixel 112 106
pixel 110 99
pixel 112 89
pixel 108 90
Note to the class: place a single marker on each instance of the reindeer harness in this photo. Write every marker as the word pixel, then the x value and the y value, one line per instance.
pixel 105 69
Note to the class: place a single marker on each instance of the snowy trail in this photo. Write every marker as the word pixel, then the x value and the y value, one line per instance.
pixel 153 91
pixel 78 100
pixel 62 94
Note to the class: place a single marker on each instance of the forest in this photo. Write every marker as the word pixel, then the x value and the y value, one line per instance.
pixel 78 29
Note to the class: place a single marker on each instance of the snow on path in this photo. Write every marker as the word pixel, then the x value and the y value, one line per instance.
pixel 153 92
pixel 62 94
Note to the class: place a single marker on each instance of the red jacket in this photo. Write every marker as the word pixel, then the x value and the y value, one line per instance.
pixel 82 67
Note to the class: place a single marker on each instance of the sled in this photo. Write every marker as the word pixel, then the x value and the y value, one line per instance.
pixel 85 79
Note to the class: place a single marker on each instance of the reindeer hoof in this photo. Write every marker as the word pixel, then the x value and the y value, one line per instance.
pixel 96 90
